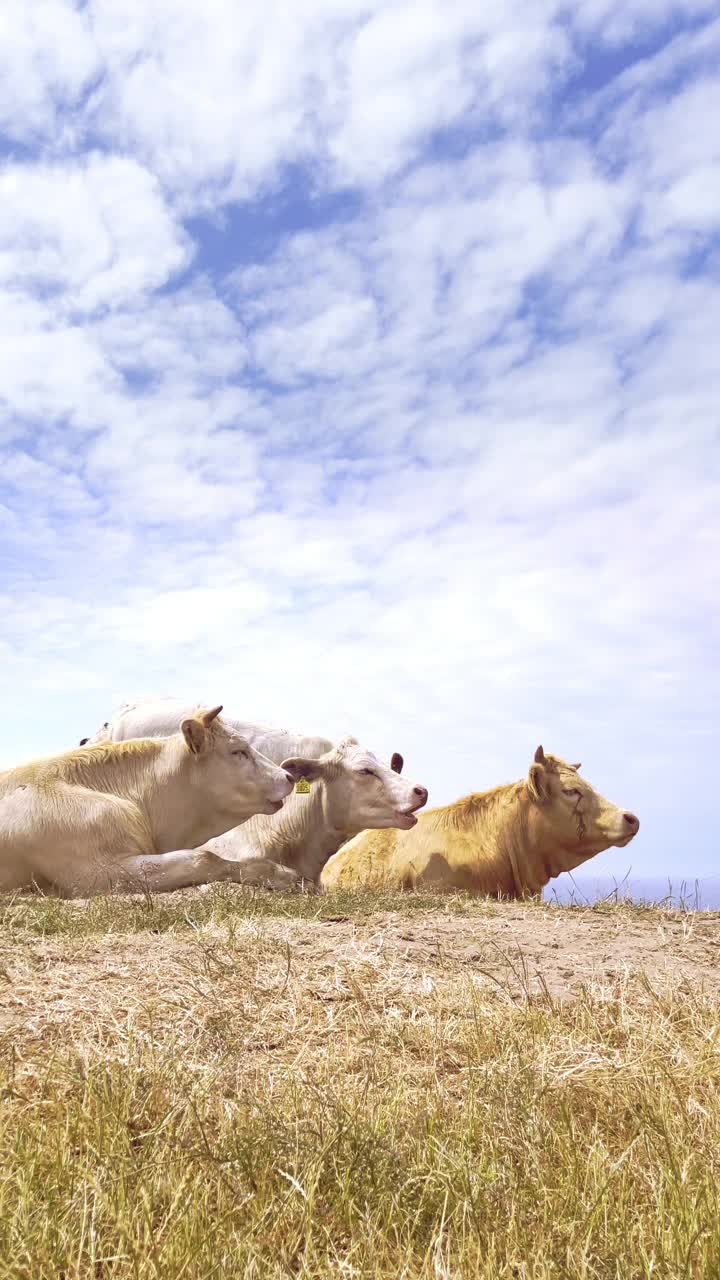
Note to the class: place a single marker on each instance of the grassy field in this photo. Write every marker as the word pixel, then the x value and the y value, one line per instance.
pixel 255 1085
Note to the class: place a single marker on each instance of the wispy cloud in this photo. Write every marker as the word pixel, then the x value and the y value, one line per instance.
pixel 358 366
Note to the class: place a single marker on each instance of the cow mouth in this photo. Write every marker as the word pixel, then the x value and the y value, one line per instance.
pixel 274 806
pixel 405 821
pixel 620 844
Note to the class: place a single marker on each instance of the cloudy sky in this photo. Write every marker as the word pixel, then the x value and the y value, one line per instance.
pixel 360 369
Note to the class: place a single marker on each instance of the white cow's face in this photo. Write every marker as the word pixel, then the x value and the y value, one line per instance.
pixel 579 821
pixel 234 777
pixel 362 791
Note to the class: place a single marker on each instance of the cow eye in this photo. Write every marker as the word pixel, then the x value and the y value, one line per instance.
pixel 242 752
pixel 572 791
pixel 369 772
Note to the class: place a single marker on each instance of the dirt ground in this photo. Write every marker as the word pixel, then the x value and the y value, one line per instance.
pixel 66 984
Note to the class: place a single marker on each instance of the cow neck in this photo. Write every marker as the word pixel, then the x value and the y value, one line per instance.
pixel 175 807
pixel 301 835
pixel 537 852
pixel 512 856
pixel 497 822
pixel 520 847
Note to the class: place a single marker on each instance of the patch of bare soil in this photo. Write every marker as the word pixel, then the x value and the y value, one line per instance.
pixel 276 972
pixel 530 950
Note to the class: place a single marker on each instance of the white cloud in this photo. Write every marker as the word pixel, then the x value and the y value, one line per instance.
pixel 635 22
pixel 413 69
pixel 78 241
pixel 47 60
pixel 50 369
pixel 98 231
pixel 208 96
pixel 310 311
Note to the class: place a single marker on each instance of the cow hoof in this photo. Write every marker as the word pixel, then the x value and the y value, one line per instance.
pixel 284 878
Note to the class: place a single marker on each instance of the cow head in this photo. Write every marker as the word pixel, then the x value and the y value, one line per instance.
pixel 102 735
pixel 234 777
pixel 577 821
pixel 360 790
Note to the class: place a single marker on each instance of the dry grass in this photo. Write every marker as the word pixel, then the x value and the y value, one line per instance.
pixel 271 1086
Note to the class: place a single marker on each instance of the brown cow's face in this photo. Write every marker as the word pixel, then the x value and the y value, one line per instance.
pixel 577 819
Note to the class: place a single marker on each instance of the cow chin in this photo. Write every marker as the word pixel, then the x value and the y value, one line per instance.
pixel 405 821
pixel 271 806
pixel 622 841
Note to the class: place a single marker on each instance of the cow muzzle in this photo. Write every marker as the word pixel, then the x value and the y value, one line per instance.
pixel 629 829
pixel 407 817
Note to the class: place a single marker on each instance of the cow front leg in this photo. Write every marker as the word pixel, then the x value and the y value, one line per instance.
pixel 164 872
pixel 184 868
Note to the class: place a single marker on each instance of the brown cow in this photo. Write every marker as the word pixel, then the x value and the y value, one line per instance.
pixel 508 841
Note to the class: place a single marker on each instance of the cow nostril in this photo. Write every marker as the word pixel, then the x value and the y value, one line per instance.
pixel 631 820
pixel 289 776
pixel 422 792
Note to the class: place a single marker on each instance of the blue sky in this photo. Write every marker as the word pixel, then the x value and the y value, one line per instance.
pixel 359 369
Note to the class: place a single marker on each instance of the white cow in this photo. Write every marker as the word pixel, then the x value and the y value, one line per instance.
pixel 351 791
pixel 130 815
pixel 158 717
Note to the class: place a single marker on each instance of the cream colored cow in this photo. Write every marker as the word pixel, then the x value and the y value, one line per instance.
pixel 509 841
pixel 350 790
pixel 158 717
pixel 129 815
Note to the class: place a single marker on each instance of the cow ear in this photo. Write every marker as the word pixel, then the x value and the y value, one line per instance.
pixel 207 717
pixel 538 783
pixel 539 756
pixel 298 767
pixel 195 734
pixel 397 762
pixel 576 767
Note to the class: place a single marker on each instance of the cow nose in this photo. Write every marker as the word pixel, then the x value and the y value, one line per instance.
pixel 631 820
pixel 420 793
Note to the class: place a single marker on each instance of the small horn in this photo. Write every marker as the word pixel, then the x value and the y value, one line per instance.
pixel 207 717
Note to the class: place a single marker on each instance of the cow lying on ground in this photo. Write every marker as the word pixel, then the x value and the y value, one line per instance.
pixel 159 717
pixel 350 790
pixel 509 841
pixel 130 816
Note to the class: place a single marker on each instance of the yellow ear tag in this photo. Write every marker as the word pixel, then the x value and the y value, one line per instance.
pixel 302 785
